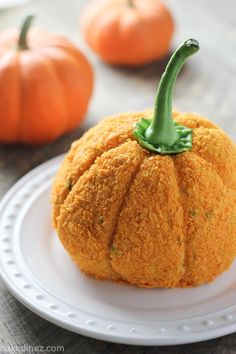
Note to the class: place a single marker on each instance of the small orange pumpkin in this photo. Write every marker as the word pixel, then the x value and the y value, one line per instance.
pixel 45 85
pixel 128 32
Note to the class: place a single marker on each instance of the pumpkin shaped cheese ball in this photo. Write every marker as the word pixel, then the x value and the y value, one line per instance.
pixel 45 85
pixel 128 32
pixel 149 198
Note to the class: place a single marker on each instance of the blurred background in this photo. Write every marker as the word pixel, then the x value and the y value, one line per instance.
pixel 207 83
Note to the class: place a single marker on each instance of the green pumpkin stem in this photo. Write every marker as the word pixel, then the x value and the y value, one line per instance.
pixel 162 130
pixel 22 41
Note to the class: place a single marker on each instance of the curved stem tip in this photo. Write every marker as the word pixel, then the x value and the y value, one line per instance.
pixel 162 129
pixel 22 41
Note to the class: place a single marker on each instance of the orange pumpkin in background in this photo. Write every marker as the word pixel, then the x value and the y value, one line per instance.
pixel 128 32
pixel 45 85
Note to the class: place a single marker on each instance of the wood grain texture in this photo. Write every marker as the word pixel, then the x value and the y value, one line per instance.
pixel 207 85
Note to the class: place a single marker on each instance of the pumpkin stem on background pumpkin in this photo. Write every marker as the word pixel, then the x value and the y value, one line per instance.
pixel 22 41
pixel 162 134
pixel 130 3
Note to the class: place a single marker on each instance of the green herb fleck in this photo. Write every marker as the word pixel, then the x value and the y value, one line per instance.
pixel 113 249
pixel 184 191
pixel 193 212
pixel 69 185
pixel 232 219
pixel 194 256
pixel 101 220
pixel 209 214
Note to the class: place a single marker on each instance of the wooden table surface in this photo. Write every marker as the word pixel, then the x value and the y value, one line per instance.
pixel 207 85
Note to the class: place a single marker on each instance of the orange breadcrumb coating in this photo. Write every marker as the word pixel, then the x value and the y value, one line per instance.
pixel 126 214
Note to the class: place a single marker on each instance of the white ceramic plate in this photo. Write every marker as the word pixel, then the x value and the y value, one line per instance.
pixel 40 274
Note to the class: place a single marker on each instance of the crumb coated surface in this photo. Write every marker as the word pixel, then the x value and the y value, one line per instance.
pixel 126 214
